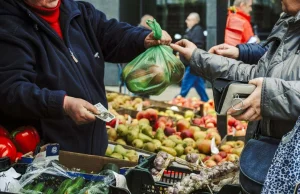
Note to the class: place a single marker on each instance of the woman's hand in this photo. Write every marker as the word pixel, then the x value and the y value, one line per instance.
pixel 79 110
pixel 151 41
pixel 225 50
pixel 185 48
pixel 251 104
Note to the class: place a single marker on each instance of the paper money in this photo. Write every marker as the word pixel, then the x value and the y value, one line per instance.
pixel 104 115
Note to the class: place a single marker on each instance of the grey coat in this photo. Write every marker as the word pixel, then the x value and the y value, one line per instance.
pixel 280 67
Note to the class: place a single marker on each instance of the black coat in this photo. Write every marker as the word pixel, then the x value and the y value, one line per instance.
pixel 195 35
pixel 37 69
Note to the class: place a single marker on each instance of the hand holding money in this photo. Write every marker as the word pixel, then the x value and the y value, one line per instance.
pixel 79 110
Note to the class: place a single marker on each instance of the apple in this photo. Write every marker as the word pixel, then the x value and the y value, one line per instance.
pixel 213 129
pixel 198 121
pixel 194 128
pixel 182 125
pixel 209 125
pixel 231 121
pixel 202 157
pixel 226 148
pixel 186 133
pixel 223 154
pixel 188 150
pixel 240 133
pixel 239 144
pixel 232 157
pixel 169 131
pixel 189 142
pixel 199 135
pixel 217 158
pixel 210 163
pixel 215 135
pixel 111 123
pixel 237 151
pixel 189 114
pixel 204 146
pixel 140 115
pixel 205 158
pixel 159 124
pixel 238 127
pixel 231 143
pixel 153 114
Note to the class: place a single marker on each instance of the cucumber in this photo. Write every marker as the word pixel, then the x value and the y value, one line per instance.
pixel 64 185
pixel 38 187
pixel 111 166
pixel 78 184
pixel 28 187
pixel 48 191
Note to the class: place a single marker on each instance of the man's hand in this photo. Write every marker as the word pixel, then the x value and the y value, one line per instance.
pixel 251 104
pixel 79 110
pixel 151 41
pixel 185 48
pixel 225 50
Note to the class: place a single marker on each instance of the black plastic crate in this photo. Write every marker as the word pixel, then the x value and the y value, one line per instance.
pixel 140 180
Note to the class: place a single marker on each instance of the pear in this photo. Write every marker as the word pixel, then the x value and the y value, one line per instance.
pixel 122 130
pixel 144 138
pixel 131 152
pixel 126 158
pixel 144 121
pixel 132 135
pixel 168 150
pixel 133 158
pixel 160 135
pixel 121 141
pixel 112 134
pixel 149 146
pixel 117 156
pixel 179 150
pixel 190 142
pixel 138 143
pixel 168 143
pixel 119 149
pixel 108 151
pixel 183 157
pixel 157 143
pixel 147 130
pixel 175 138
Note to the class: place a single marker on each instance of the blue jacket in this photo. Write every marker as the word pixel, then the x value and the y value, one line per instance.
pixel 37 69
pixel 251 53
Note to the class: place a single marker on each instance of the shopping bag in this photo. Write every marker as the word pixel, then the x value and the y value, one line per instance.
pixel 284 174
pixel 153 70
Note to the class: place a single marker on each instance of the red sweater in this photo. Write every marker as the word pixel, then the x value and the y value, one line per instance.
pixel 50 15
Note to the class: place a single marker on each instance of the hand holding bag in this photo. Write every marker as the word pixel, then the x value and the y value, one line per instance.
pixel 284 174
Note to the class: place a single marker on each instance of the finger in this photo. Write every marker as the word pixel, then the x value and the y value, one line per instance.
pixel 89 117
pixel 249 113
pixel 178 48
pixel 182 43
pixel 241 105
pixel 88 106
pixel 212 49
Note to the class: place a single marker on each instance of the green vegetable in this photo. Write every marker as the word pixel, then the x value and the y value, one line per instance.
pixel 111 166
pixel 39 187
pixel 48 191
pixel 28 187
pixel 77 184
pixel 63 186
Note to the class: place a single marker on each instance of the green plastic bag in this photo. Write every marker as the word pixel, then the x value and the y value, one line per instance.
pixel 155 69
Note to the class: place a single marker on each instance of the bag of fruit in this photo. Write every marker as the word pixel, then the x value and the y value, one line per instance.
pixel 153 70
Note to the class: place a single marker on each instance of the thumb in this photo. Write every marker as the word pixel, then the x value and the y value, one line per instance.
pixel 91 108
pixel 256 81
pixel 178 48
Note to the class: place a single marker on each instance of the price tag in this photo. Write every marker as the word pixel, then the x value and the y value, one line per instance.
pixel 214 149
pixel 117 123
pixel 129 120
pixel 139 107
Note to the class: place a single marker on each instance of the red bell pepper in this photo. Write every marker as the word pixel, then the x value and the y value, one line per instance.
pixel 26 139
pixel 3 132
pixel 7 148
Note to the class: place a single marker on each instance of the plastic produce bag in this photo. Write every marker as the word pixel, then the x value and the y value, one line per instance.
pixel 155 69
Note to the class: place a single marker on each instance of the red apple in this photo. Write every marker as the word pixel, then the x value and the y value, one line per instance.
pixel 217 158
pixel 169 131
pixel 153 114
pixel 169 123
pixel 162 119
pixel 215 135
pixel 198 121
pixel 210 163
pixel 206 158
pixel 231 121
pixel 209 125
pixel 182 125
pixel 159 124
pixel 186 133
pixel 223 154
pixel 140 115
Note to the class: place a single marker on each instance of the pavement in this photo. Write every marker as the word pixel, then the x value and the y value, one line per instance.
pixel 167 95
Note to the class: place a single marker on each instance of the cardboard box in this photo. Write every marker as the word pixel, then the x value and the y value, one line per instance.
pixel 90 163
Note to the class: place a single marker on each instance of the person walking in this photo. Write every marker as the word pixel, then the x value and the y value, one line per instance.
pixel 194 33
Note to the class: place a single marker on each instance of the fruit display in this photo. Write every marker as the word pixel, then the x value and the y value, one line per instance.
pixel 236 127
pixel 119 152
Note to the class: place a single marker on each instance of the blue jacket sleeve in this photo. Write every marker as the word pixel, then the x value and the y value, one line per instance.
pixel 120 42
pixel 251 53
pixel 19 96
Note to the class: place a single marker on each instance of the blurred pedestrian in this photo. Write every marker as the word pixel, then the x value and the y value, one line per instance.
pixel 194 33
pixel 238 27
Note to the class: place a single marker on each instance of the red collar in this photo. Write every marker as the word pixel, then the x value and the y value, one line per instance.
pixel 243 14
